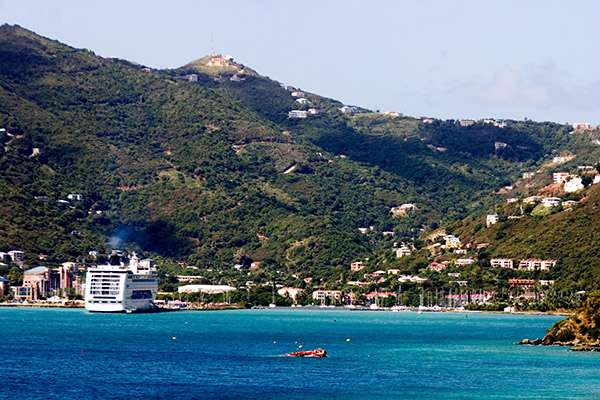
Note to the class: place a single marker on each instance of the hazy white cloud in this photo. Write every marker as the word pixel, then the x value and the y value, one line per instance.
pixel 511 87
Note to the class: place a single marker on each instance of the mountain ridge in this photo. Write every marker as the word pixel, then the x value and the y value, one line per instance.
pixel 195 171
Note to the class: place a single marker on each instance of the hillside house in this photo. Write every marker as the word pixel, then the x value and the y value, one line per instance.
pixel 427 120
pixel 532 199
pixel 464 261
pixel 393 114
pixel 357 266
pixel 528 175
pixel 192 77
pixel 402 209
pixel 545 282
pixel 559 160
pixel 348 109
pixel 569 203
pixel 551 201
pixel 524 283
pixel 491 219
pixel 297 114
pixel 466 122
pixel 581 125
pixel 218 61
pixel 237 78
pixel 536 265
pixel 502 263
pixel 402 251
pixel 302 101
pixel 573 185
pixel 357 283
pixel 436 266
pixel 17 256
pixel 75 197
pixel 461 251
pixel 298 94
pixel 393 271
pixel 585 168
pixel 411 278
pixel 388 233
pixel 452 242
pixel 255 265
pixel 314 111
pixel 560 177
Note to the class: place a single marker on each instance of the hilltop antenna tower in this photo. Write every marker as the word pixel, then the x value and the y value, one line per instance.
pixel 212 44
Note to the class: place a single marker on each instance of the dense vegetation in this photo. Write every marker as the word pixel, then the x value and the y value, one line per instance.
pixel 201 172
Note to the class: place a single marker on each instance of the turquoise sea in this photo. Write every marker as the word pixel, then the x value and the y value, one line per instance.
pixel 68 354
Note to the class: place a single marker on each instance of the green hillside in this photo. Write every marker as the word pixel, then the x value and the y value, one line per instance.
pixel 212 172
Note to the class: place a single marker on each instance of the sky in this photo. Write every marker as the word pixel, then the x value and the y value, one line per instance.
pixel 446 59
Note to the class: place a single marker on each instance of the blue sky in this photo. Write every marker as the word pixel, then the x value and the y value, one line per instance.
pixel 440 58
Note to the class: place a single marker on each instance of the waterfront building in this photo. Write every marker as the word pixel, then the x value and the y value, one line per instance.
pixel 4 287
pixel 39 280
pixel 209 289
pixel 326 294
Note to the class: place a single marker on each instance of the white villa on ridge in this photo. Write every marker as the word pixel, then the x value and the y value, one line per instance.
pixel 573 185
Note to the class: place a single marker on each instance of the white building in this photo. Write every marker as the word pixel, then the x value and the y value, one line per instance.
pixel 560 177
pixel 532 199
pixel 297 114
pixel 292 293
pixel 357 266
pixel 491 219
pixel 559 160
pixel 502 263
pixel 534 265
pixel 573 185
pixel 17 256
pixel 464 261
pixel 324 294
pixel 551 201
pixel 402 251
pixel 210 289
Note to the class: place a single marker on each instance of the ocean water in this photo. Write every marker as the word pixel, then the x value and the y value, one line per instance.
pixel 73 354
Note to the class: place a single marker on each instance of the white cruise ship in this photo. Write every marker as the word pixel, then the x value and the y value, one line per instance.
pixel 117 287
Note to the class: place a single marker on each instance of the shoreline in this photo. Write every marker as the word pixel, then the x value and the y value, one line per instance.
pixel 234 307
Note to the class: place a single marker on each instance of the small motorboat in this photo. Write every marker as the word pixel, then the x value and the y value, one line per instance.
pixel 309 353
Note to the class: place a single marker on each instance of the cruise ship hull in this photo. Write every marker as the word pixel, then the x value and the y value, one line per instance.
pixel 113 289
